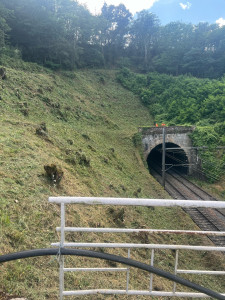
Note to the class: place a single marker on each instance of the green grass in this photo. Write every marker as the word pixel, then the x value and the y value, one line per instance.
pixel 94 117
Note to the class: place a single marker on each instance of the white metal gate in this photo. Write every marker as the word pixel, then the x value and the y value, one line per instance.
pixel 65 201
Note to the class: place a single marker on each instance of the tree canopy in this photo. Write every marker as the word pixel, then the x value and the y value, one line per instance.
pixel 64 34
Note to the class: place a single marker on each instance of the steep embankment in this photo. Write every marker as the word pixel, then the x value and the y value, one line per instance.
pixel 90 122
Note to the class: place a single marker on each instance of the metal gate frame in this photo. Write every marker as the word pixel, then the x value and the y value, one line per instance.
pixel 64 201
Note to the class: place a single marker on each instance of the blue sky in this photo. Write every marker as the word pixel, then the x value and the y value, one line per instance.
pixel 193 11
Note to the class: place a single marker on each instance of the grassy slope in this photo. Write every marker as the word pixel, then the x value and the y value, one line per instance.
pixel 85 112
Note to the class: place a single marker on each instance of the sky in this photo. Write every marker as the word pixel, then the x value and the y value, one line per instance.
pixel 190 11
pixel 132 5
pixel 193 11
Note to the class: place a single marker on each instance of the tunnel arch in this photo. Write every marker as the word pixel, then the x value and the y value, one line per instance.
pixel 176 158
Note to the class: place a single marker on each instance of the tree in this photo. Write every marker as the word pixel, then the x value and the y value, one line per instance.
pixel 143 35
pixel 4 27
pixel 115 21
pixel 216 48
pixel 173 42
pixel 50 32
pixel 33 30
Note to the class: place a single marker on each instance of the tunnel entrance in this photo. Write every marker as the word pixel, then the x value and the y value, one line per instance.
pixel 176 158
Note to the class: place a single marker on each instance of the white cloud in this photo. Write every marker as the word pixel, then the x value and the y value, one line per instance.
pixel 133 6
pixel 185 6
pixel 220 22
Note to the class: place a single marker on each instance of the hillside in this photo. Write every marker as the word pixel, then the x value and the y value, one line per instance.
pixel 84 122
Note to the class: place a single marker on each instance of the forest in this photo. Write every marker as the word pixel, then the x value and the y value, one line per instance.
pixel 62 34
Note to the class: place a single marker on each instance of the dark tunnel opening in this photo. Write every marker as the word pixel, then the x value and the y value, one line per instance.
pixel 176 158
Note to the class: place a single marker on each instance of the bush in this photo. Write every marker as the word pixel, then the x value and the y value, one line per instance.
pixel 213 163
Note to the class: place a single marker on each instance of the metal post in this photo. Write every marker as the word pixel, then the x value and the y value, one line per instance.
pixel 175 270
pixel 151 276
pixel 61 259
pixel 164 158
pixel 128 272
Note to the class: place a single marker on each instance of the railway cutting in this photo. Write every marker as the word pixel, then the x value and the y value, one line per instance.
pixel 181 159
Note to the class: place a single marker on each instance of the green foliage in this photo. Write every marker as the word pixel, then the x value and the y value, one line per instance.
pixel 182 99
pixel 131 81
pixel 213 160
pixel 220 128
pixel 144 31
pixel 206 135
pixel 57 37
pixel 63 34
pixel 51 65
pixel 137 139
pixel 115 21
pixel 185 100
pixel 4 27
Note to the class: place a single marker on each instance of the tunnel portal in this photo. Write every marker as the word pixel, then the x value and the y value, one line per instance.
pixel 176 158
pixel 177 137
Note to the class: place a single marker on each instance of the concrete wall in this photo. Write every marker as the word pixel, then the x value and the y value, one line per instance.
pixel 178 135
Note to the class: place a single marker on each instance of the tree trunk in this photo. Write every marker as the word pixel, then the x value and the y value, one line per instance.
pixel 146 56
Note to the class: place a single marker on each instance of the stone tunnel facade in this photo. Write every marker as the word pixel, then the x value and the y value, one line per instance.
pixel 179 135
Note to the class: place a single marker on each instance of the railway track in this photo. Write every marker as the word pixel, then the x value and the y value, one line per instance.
pixel 179 187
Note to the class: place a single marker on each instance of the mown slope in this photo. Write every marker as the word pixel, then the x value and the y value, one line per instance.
pixel 90 124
